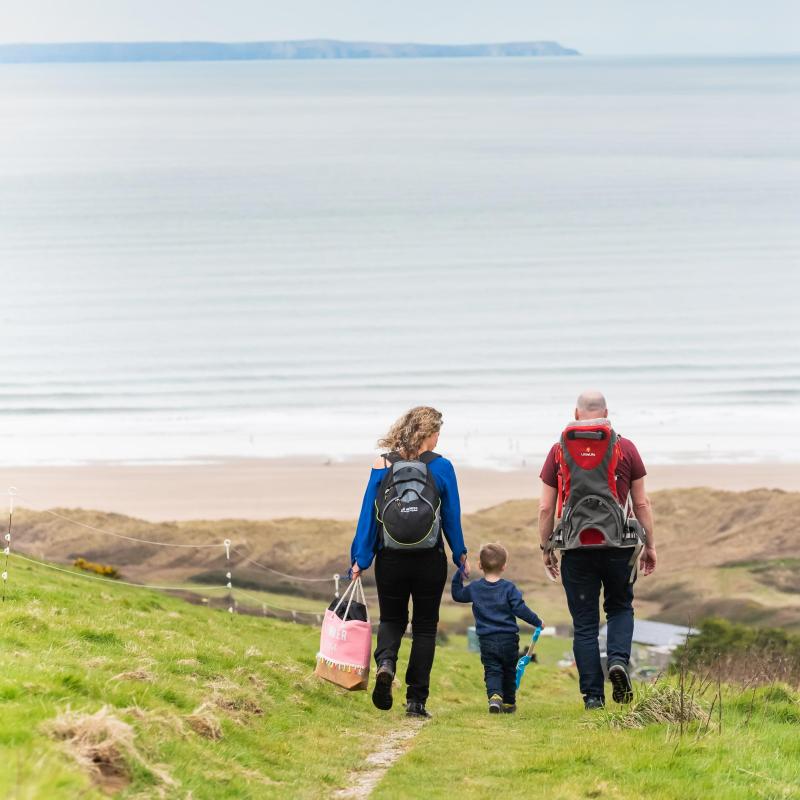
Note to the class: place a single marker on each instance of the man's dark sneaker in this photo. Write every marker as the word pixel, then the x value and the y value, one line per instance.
pixel 594 703
pixel 623 691
pixel 417 710
pixel 509 708
pixel 382 693
pixel 495 704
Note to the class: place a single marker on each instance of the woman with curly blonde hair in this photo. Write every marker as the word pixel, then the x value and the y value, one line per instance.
pixel 409 485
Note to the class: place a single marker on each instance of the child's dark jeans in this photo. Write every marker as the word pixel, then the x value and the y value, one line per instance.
pixel 499 656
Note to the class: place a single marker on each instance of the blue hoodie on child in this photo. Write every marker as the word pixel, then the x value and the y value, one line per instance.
pixel 495 606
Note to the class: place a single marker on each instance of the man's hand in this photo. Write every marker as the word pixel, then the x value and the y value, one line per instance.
pixel 550 563
pixel 465 565
pixel 648 562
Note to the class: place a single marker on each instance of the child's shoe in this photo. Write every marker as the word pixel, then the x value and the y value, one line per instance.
pixel 495 704
pixel 509 708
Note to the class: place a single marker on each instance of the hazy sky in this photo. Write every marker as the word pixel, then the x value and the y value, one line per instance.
pixel 593 26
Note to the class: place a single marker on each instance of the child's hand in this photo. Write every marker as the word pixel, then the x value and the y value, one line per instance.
pixel 464 566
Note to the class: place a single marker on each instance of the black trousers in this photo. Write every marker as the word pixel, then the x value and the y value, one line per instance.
pixel 419 576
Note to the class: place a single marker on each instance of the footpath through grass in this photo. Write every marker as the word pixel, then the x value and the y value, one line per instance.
pixel 225 706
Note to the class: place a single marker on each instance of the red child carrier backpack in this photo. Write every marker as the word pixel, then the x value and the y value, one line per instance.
pixel 590 512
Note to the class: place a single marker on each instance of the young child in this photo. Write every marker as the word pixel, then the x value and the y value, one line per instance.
pixel 496 603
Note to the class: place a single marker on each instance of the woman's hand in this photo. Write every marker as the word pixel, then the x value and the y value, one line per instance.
pixel 465 565
pixel 355 571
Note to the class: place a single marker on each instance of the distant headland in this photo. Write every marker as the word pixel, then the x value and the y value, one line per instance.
pixel 257 51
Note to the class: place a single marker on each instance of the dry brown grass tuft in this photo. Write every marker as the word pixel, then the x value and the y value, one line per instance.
pixel 103 745
pixel 100 742
pixel 257 681
pixel 661 704
pixel 222 684
pixel 204 722
pixel 238 703
pixel 140 674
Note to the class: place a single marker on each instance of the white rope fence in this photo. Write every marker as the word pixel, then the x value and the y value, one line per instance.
pixel 200 589
pixel 123 536
pixel 116 581
pixel 226 544
pixel 295 612
pixel 12 491
pixel 258 564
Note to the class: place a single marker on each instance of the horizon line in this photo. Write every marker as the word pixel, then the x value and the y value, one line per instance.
pixel 471 43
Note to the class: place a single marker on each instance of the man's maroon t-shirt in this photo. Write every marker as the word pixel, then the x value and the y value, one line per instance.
pixel 630 468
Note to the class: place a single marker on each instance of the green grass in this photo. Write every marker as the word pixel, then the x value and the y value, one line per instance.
pixel 65 641
pixel 548 748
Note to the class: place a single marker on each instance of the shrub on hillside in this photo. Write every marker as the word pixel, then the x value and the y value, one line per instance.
pixel 741 653
pixel 106 570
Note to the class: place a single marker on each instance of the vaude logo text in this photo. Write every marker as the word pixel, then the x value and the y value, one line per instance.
pixel 408 509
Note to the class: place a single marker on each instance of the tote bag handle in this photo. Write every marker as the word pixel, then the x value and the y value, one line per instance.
pixel 349 593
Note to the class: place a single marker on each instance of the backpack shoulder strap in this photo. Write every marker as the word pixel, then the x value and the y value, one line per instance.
pixel 616 457
pixel 392 458
pixel 563 487
pixel 428 456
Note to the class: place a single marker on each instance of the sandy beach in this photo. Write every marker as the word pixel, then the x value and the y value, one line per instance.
pixel 270 489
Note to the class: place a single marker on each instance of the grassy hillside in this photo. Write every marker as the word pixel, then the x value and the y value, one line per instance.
pixel 222 706
pixel 721 553
pixel 203 704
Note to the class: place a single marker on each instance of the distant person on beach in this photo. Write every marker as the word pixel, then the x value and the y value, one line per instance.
pixel 496 605
pixel 410 507
pixel 592 479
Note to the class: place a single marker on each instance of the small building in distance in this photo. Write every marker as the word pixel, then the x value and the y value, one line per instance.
pixel 653 643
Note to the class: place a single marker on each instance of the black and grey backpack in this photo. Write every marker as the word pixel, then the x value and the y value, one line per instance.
pixel 407 505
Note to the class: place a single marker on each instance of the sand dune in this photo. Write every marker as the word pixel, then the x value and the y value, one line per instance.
pixel 730 553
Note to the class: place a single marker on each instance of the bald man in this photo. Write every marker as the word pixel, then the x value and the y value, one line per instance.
pixel 585 571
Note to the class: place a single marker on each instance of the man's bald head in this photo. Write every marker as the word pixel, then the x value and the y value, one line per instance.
pixel 591 405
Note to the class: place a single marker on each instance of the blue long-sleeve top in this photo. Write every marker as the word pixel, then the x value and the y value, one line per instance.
pixel 495 605
pixel 366 541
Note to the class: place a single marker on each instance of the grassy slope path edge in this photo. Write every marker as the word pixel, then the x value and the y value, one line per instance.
pixel 154 660
pixel 363 780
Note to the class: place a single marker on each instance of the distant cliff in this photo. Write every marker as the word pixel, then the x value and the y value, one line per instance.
pixel 255 51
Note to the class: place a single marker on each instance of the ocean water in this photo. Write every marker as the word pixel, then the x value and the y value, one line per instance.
pixel 204 261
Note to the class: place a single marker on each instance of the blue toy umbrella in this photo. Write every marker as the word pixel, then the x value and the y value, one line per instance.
pixel 526 659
